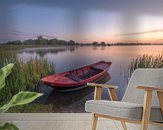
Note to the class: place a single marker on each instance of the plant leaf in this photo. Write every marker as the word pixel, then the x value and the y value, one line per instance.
pixel 8 126
pixel 4 72
pixel 20 99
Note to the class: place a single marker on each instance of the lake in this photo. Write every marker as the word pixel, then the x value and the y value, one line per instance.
pixel 68 58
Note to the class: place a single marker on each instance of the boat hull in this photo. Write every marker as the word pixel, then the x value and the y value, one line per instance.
pixel 77 78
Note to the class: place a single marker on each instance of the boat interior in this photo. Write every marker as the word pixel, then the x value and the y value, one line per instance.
pixel 83 73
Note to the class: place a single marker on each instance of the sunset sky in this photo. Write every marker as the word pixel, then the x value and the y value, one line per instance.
pixel 83 20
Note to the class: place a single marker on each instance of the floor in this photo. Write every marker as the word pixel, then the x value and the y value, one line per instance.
pixel 58 121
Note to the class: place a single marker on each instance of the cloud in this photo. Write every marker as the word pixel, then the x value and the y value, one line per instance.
pixel 139 33
pixel 21 33
pixel 159 40
pixel 126 6
pixel 129 9
pixel 131 6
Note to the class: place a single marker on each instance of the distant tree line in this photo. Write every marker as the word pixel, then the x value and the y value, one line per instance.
pixel 42 41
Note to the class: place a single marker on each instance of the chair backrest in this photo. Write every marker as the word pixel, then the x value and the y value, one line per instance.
pixel 146 77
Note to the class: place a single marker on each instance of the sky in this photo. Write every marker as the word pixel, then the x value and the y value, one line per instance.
pixel 82 20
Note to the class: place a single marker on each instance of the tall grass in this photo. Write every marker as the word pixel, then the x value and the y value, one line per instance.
pixel 25 75
pixel 17 47
pixel 146 61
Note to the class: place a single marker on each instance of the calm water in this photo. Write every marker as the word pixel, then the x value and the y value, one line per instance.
pixel 67 58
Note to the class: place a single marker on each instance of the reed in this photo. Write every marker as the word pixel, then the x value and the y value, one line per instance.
pixel 146 61
pixel 17 47
pixel 25 75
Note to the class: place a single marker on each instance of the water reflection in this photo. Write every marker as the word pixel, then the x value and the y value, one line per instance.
pixel 42 51
pixel 74 101
pixel 68 58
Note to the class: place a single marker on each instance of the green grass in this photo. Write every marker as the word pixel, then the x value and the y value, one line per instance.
pixel 17 47
pixel 146 61
pixel 32 108
pixel 25 76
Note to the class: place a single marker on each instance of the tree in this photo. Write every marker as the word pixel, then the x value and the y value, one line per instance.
pixel 108 44
pixel 71 42
pixel 41 40
pixel 95 43
pixel 103 44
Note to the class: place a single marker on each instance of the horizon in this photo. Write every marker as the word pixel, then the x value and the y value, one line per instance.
pixel 83 22
pixel 11 42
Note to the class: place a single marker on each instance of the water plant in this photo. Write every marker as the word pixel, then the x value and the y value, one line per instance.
pixel 20 98
pixel 25 75
pixel 146 61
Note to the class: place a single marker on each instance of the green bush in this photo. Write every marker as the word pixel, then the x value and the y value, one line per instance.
pixel 19 99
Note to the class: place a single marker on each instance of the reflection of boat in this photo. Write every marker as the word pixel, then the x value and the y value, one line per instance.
pixel 73 101
pixel 74 79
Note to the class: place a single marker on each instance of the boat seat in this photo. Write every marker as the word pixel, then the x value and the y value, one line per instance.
pixel 96 68
pixel 75 78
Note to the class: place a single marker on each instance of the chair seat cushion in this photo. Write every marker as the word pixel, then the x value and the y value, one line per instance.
pixel 131 111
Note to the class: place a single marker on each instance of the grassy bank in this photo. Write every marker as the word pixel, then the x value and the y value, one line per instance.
pixel 25 75
pixel 17 47
pixel 32 108
pixel 146 61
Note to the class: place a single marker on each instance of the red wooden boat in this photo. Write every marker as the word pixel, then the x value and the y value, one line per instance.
pixel 74 79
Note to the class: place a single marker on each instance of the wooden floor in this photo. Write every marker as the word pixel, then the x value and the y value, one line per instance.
pixel 58 121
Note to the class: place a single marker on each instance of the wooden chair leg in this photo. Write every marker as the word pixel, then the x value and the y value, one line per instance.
pixel 94 122
pixel 124 125
pixel 146 110
pixel 160 98
pixel 144 126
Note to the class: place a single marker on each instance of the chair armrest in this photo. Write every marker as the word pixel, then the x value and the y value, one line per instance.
pixel 98 91
pixel 102 85
pixel 148 88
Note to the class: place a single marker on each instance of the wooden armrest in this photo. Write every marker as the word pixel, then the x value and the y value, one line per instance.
pixel 147 88
pixel 98 88
pixel 102 85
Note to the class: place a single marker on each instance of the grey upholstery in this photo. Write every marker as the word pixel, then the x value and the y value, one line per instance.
pixel 146 77
pixel 132 111
pixel 132 103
